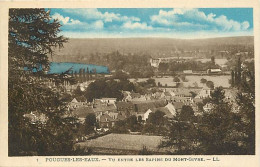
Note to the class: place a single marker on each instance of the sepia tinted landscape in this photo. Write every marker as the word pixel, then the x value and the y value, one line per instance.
pixel 127 95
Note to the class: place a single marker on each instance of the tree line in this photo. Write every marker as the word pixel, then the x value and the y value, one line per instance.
pixel 135 64
pixel 188 65
pixel 84 75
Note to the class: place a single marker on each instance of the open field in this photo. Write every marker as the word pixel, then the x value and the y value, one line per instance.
pixel 216 79
pixel 125 142
pixel 222 80
pixel 220 62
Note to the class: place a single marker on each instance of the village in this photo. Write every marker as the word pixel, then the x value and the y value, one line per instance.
pixel 169 99
pixel 138 102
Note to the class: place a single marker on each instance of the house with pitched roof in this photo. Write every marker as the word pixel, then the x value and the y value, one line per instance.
pixel 131 96
pixel 77 102
pixel 143 106
pixel 98 106
pixel 82 111
pixel 81 99
pixel 108 119
pixel 113 115
pixel 167 95
pixel 157 95
pixel 108 100
pixel 166 111
pixel 183 93
pixel 169 110
pixel 187 71
pixel 73 104
pixel 105 121
pixel 214 71
pixel 185 100
pixel 204 93
pixel 145 114
pixel 126 108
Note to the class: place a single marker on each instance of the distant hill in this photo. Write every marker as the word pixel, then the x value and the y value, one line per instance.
pixel 153 46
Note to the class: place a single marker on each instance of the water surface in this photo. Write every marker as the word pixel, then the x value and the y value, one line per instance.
pixel 58 68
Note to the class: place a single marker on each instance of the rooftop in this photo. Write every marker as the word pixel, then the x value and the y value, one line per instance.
pixel 83 111
pixel 165 110
pixel 145 105
pixel 178 105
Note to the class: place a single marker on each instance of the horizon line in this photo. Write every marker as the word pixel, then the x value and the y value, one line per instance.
pixel 159 37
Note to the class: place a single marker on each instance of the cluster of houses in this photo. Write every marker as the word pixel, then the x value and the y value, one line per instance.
pixel 108 110
pixel 169 101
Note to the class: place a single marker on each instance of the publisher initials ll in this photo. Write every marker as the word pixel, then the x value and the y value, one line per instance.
pixel 215 159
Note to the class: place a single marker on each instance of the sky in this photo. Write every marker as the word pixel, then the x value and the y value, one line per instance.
pixel 185 23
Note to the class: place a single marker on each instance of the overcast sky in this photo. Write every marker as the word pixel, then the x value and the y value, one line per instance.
pixel 155 22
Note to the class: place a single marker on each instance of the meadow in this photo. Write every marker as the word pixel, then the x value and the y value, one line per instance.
pixel 124 142
pixel 218 80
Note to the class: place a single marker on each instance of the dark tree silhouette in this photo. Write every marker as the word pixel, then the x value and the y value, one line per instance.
pixel 203 80
pixel 32 37
pixel 90 122
pixel 84 75
pixel 182 133
pixel 176 79
pixel 87 75
pixel 218 129
pixel 232 78
pixel 213 60
pixel 210 84
pixel 246 101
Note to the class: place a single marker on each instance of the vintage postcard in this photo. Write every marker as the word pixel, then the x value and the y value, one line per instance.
pixel 113 83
